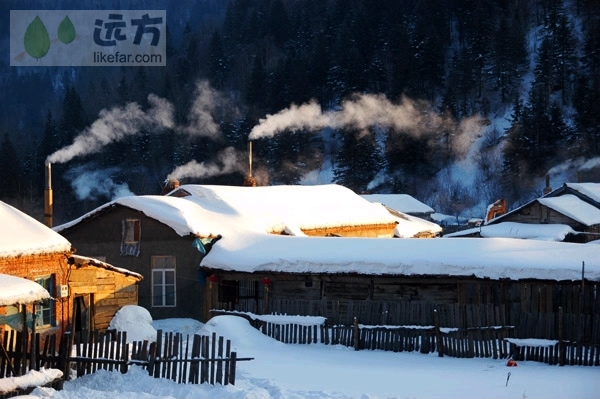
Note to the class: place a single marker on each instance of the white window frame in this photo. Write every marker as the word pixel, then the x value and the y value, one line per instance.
pixel 162 268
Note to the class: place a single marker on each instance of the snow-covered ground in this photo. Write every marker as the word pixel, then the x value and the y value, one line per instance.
pixel 319 371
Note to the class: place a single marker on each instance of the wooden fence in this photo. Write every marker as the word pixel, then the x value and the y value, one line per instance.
pixel 567 325
pixel 482 342
pixel 201 359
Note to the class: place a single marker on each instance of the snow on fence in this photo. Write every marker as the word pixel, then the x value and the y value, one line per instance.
pixel 496 342
pixel 196 360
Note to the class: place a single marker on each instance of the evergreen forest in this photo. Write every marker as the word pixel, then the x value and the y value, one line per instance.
pixel 455 102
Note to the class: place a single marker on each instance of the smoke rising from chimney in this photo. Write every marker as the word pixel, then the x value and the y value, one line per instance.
pixel 360 111
pixel 229 162
pixel 117 123
pixel 114 125
pixel 91 184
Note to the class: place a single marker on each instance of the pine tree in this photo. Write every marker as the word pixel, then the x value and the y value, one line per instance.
pixel 10 169
pixel 358 160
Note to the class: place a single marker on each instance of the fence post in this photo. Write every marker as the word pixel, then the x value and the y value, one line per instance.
pixel 438 333
pixel 232 368
pixel 356 335
pixel 561 344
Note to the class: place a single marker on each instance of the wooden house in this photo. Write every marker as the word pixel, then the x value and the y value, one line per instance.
pixel 164 238
pixel 30 250
pixel 155 237
pixel 84 293
pixel 576 205
pixel 467 282
pixel 413 216
pixel 98 290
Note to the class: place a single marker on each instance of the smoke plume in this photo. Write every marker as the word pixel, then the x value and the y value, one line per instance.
pixel 360 111
pixel 229 162
pixel 201 122
pixel 91 184
pixel 117 123
pixel 114 125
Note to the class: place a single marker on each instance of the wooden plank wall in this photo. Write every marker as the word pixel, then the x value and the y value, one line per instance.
pixel 532 307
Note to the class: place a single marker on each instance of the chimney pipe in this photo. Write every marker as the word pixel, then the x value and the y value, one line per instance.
pixel 249 181
pixel 48 200
pixel 547 189
pixel 250 158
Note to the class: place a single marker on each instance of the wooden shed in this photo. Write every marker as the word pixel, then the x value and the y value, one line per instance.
pixel 97 291
pixel 510 283
pixel 576 205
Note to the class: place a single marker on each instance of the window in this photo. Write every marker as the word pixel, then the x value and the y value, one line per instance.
pixel 130 240
pixel 45 309
pixel 163 281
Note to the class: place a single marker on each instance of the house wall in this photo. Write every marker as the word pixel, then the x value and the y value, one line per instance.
pixel 100 237
pixel 379 230
pixel 32 267
pixel 537 213
pixel 109 291
pixel 340 298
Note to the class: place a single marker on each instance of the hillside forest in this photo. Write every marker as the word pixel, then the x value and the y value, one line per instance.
pixel 456 102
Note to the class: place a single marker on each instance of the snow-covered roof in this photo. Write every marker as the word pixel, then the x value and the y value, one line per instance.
pixel 23 235
pixel 401 202
pixel 494 258
pixel 17 290
pixel 184 217
pixel 573 207
pixel 278 208
pixel 213 210
pixel 590 190
pixel 411 226
pixel 84 260
pixel 545 232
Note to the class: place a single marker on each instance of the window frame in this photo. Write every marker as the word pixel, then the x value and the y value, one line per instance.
pixel 45 310
pixel 158 266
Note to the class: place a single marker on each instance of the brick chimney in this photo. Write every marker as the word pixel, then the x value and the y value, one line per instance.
pixel 547 189
pixel 169 185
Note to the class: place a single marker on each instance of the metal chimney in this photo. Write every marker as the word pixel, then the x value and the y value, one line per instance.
pixel 249 181
pixel 48 200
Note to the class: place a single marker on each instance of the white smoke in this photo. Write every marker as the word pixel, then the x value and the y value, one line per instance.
pixel 114 125
pixel 360 111
pixel 567 171
pixel 590 164
pixel 201 121
pixel 117 123
pixel 91 184
pixel 228 163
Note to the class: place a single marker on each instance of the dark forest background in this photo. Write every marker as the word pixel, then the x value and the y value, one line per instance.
pixel 528 69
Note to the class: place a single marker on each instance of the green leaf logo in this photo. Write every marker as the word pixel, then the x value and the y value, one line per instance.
pixel 66 31
pixel 36 40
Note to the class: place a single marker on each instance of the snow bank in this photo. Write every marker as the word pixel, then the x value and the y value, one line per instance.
pixel 32 379
pixel 136 321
